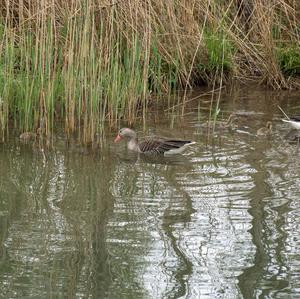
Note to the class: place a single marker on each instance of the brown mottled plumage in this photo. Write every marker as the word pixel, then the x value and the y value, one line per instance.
pixel 26 136
pixel 230 123
pixel 155 145
pixel 265 130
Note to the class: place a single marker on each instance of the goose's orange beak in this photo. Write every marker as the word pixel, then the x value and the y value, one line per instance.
pixel 118 138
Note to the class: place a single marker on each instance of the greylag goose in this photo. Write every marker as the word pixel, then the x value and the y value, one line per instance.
pixel 26 136
pixel 155 145
pixel 230 123
pixel 265 130
pixel 294 122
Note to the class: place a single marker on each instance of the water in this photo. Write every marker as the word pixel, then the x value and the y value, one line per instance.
pixel 222 221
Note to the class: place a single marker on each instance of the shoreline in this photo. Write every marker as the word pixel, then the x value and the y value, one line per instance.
pixel 85 64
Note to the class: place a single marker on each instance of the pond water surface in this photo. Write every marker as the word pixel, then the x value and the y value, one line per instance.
pixel 221 221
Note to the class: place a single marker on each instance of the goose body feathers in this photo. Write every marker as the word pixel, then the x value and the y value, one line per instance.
pixel 154 145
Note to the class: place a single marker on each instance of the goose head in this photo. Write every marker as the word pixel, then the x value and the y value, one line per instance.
pixel 269 125
pixel 231 119
pixel 125 133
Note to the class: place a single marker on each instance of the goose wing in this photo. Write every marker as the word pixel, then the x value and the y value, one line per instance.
pixel 161 146
pixel 295 118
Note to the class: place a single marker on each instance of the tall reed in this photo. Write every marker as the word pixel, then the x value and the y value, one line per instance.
pixel 85 62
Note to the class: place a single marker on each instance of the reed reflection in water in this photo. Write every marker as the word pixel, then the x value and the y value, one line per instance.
pixel 220 222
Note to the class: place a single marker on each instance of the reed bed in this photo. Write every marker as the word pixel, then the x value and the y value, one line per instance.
pixel 84 63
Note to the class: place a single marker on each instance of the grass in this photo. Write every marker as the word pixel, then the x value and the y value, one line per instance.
pixel 90 63
pixel 219 53
pixel 289 60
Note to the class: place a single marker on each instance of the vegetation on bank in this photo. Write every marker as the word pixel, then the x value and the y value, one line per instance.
pixel 83 62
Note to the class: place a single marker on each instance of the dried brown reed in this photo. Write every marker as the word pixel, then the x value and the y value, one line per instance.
pixel 91 61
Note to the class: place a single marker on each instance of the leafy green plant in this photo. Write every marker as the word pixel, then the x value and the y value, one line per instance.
pixel 289 60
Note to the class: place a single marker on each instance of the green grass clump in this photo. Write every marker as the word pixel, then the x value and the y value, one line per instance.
pixel 219 51
pixel 289 60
